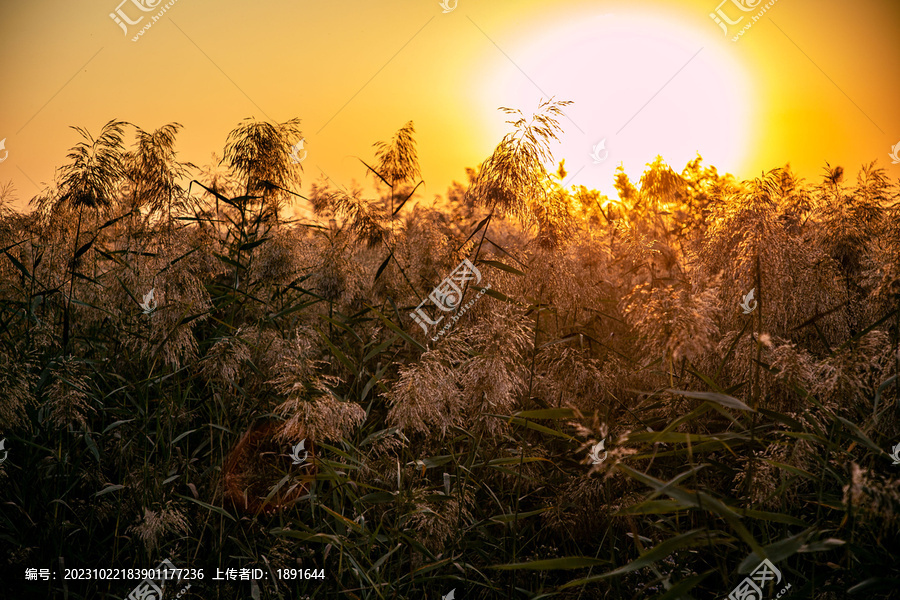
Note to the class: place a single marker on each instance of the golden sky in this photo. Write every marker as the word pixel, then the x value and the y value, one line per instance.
pixel 808 82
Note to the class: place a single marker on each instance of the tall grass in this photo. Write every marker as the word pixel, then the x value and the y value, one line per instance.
pixel 461 463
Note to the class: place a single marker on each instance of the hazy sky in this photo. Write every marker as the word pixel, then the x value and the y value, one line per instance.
pixel 810 81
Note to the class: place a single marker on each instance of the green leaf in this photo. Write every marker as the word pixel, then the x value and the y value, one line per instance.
pixel 338 354
pixel 433 566
pixel 709 382
pixel 349 523
pixel 392 326
pixel 569 338
pixel 514 460
pixel 228 261
pixel 677 437
pixel 698 500
pixel 515 517
pixel 821 545
pixel 865 331
pixel 386 556
pixel 383 266
pixel 294 308
pixel 547 413
pixel 380 348
pixel 373 381
pixel 861 437
pixel 876 584
pixel 181 436
pixel 78 275
pixel 379 497
pixel 773 517
pixel 498 295
pixel 476 230
pixel 253 244
pixel 775 552
pixel 377 174
pixel 84 248
pixel 723 399
pixel 680 590
pixel 535 426
pixel 112 426
pixel 653 507
pixel 306 537
pixel 550 564
pixel 694 414
pixel 694 449
pixel 92 446
pixel 690 539
pixel 432 461
pixel 109 489
pixel 777 416
pixel 378 435
pixel 405 200
pixel 216 509
pixel 342 325
pixel 18 265
pixel 881 388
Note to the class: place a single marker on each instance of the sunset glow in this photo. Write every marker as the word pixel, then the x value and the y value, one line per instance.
pixel 651 78
pixel 645 85
pixel 449 299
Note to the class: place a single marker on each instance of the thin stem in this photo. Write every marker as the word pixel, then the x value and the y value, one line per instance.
pixel 71 281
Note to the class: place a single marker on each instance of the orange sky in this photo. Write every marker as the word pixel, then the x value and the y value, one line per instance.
pixel 809 82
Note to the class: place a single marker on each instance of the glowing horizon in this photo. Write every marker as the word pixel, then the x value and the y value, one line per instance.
pixel 666 80
pixel 623 103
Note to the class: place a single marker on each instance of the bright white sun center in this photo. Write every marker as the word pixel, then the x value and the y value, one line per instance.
pixel 641 88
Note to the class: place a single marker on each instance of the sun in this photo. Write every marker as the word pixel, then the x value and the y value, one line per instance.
pixel 641 87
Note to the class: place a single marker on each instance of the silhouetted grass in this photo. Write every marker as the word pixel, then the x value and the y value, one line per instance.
pixel 460 463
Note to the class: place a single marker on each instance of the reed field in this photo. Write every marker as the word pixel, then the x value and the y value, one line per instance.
pixel 604 421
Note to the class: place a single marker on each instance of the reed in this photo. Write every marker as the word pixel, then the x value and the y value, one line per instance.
pixel 140 434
